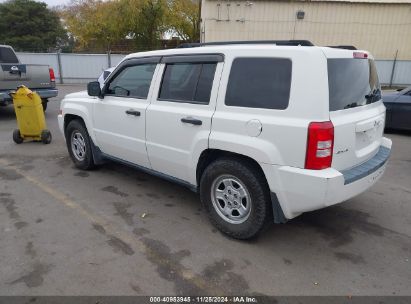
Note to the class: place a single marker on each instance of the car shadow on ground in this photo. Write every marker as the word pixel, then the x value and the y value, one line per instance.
pixel 7 113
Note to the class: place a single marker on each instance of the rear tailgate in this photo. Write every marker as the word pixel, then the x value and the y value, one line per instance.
pixel 34 76
pixel 356 109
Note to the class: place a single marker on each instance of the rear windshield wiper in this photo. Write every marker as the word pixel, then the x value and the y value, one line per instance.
pixel 373 96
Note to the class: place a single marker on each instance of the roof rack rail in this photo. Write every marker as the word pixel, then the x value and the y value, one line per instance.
pixel 345 47
pixel 274 42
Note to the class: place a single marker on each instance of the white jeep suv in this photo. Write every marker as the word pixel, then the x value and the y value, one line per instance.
pixel 262 132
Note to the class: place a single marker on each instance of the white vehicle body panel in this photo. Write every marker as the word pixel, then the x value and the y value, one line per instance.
pixel 79 104
pixel 358 134
pixel 283 138
pixel 118 134
pixel 174 147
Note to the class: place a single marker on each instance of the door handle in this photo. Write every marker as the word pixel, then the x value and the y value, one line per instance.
pixel 192 121
pixel 133 112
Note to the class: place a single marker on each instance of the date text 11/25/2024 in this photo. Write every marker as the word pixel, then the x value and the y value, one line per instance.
pixel 199 299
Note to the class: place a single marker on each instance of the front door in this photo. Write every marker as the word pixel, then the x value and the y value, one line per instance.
pixel 120 116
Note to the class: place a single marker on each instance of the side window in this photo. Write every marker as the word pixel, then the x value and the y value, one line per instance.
pixel 259 83
pixel 132 81
pixel 187 82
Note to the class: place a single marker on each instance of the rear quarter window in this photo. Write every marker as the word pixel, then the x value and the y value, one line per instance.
pixel 7 55
pixel 259 83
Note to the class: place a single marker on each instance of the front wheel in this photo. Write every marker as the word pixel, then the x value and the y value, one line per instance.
pixel 78 145
pixel 236 197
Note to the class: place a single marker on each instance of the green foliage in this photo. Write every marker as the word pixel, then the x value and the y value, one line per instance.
pixel 30 26
pixel 149 24
pixel 95 23
pixel 184 19
pixel 106 23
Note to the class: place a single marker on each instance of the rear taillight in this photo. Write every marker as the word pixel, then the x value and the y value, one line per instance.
pixel 320 143
pixel 52 77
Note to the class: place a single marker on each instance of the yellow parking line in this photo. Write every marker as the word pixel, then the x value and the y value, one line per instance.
pixel 186 274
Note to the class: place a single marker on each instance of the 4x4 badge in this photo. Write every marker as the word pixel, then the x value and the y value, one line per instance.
pixel 342 151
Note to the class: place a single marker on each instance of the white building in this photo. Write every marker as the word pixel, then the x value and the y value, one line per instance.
pixel 380 26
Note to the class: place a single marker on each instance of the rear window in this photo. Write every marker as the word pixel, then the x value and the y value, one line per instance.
pixel 352 83
pixel 7 55
pixel 259 83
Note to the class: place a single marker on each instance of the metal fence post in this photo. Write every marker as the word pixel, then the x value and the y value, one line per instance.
pixel 109 58
pixel 393 68
pixel 60 66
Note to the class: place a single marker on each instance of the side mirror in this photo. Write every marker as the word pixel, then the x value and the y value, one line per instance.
pixel 93 89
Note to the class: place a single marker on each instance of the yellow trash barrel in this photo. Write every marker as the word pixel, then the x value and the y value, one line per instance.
pixel 30 117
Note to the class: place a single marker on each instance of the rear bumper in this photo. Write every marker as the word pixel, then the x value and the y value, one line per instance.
pixel 300 190
pixel 6 99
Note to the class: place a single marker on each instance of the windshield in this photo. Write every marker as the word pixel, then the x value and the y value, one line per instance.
pixel 403 91
pixel 352 83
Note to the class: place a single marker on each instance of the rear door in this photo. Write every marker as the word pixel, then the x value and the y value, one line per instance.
pixel 356 109
pixel 179 116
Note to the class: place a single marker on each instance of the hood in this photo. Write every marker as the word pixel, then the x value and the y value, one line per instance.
pixel 390 96
pixel 389 93
pixel 80 94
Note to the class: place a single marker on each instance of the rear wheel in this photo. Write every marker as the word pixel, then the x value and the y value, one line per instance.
pixel 17 136
pixel 236 197
pixel 78 145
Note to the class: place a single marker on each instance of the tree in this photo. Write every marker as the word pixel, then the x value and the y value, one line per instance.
pixel 148 23
pixel 184 19
pixel 95 23
pixel 30 26
pixel 102 24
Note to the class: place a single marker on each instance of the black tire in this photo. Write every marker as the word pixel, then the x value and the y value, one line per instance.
pixel 46 137
pixel 44 104
pixel 261 214
pixel 17 136
pixel 77 127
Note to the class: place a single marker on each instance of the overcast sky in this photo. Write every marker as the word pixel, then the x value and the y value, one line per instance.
pixel 51 3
